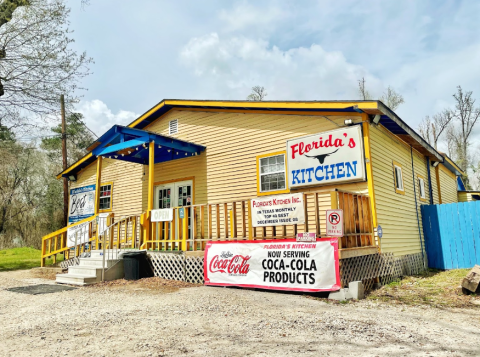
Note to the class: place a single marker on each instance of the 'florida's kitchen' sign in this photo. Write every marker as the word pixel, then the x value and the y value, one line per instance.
pixel 329 157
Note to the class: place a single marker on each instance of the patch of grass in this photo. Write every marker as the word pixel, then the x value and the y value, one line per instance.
pixel 21 258
pixel 434 288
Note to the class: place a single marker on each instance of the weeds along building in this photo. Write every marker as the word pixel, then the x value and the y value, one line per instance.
pixel 213 157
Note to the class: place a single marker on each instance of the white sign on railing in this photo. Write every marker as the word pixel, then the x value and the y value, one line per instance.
pixel 78 234
pixel 162 215
pixel 102 223
pixel 278 210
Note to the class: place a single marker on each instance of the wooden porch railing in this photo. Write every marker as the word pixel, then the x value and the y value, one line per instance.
pixel 56 243
pixel 226 221
pixel 231 221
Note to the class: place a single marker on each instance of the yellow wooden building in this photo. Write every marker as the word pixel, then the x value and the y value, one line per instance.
pixel 215 156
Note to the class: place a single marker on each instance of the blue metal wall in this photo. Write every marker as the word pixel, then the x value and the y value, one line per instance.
pixel 452 234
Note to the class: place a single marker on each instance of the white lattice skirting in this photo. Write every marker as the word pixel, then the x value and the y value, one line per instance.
pixel 177 266
pixel 385 267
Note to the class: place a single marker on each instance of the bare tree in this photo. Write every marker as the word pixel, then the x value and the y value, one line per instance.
pixel 39 64
pixel 465 117
pixel 392 98
pixel 258 94
pixel 432 129
pixel 362 90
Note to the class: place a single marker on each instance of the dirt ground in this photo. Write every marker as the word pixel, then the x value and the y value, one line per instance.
pixel 160 318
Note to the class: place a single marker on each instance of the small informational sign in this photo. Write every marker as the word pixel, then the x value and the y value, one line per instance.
pixel 162 215
pixel 181 213
pixel 306 237
pixel 81 204
pixel 278 210
pixel 273 264
pixel 379 231
pixel 334 219
pixel 325 158
pixel 102 223
pixel 78 234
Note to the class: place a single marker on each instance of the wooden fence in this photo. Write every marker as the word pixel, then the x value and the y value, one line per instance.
pixel 452 234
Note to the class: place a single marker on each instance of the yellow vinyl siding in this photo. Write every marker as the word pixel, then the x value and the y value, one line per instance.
pixel 467 196
pixel 448 185
pixel 396 213
pixel 127 187
pixel 227 170
pixel 433 177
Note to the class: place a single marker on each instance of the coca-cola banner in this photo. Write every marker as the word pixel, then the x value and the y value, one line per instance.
pixel 278 210
pixel 274 264
pixel 330 157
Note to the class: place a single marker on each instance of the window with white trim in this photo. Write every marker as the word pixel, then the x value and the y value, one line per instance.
pixel 173 127
pixel 397 171
pixel 272 173
pixel 105 197
pixel 421 188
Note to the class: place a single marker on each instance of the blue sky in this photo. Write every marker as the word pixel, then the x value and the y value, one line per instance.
pixel 298 50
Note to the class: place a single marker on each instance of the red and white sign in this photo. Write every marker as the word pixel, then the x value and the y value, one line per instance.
pixel 274 264
pixel 325 158
pixel 278 210
pixel 306 237
pixel 334 219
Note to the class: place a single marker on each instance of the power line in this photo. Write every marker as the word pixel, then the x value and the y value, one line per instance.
pixel 85 125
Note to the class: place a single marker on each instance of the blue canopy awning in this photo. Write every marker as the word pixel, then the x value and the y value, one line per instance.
pixel 132 145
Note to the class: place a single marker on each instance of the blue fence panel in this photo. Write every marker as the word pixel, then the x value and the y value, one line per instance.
pixel 452 234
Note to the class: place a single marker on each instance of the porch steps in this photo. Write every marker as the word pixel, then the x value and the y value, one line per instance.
pixel 89 271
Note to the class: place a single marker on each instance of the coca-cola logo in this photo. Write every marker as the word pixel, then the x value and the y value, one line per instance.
pixel 238 264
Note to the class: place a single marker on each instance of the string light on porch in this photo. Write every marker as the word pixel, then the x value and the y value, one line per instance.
pixel 144 146
pixel 169 150
pixel 129 152
pixel 159 146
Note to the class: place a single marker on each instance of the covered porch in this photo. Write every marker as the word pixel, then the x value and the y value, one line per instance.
pixel 198 223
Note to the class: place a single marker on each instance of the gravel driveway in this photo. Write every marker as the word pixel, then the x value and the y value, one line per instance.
pixel 205 321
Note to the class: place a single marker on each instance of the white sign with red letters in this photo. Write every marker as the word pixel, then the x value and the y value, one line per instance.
pixel 274 264
pixel 334 219
pixel 325 158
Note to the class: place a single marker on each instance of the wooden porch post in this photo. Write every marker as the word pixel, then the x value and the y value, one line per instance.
pixel 151 178
pixel 98 183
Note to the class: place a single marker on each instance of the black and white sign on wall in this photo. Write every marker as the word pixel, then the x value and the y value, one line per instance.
pixel 278 210
pixel 325 158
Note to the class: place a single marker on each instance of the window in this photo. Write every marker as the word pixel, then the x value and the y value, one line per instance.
pixel 421 188
pixel 272 177
pixel 106 197
pixel 398 177
pixel 173 127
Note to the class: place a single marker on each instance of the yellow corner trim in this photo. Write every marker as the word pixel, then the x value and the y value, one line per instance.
pixel 146 114
pixel 286 190
pixel 401 192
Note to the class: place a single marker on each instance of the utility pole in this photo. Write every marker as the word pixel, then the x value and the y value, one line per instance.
pixel 64 154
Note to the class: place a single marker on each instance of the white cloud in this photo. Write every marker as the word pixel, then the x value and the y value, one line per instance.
pixel 99 118
pixel 230 67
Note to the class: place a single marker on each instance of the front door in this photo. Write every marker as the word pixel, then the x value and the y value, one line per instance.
pixel 172 195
